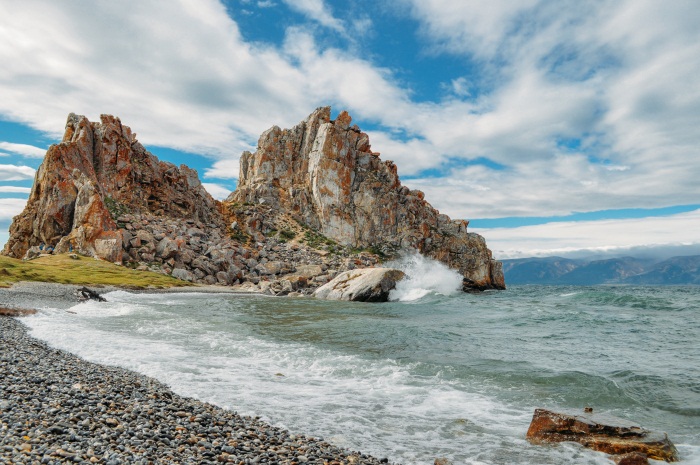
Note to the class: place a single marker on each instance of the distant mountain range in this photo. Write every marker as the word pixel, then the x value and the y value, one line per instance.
pixel 624 270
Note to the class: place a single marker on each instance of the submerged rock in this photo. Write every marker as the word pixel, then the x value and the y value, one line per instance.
pixel 363 285
pixel 600 432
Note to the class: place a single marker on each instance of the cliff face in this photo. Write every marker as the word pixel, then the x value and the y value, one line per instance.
pixel 325 175
pixel 98 171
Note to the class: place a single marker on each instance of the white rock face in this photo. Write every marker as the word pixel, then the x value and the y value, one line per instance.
pixel 364 285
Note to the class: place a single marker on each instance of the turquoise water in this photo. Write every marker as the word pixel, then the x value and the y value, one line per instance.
pixel 454 376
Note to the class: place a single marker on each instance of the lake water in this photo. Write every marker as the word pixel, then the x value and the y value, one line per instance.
pixel 438 374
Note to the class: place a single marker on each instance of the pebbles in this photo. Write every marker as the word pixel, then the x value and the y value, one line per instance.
pixel 57 408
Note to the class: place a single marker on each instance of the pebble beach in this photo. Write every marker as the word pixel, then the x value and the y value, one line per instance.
pixel 58 408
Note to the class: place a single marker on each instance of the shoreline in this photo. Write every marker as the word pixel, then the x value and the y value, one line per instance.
pixel 57 407
pixel 34 295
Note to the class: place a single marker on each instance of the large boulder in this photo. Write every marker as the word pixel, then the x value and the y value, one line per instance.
pixel 324 173
pixel 363 285
pixel 600 432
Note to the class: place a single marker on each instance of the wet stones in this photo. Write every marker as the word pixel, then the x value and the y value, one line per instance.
pixel 57 408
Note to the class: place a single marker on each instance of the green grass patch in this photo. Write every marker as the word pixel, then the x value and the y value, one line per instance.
pixel 83 271
pixel 315 240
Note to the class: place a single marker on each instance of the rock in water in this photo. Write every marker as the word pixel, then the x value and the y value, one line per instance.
pixel 84 294
pixel 364 285
pixel 324 173
pixel 97 172
pixel 599 432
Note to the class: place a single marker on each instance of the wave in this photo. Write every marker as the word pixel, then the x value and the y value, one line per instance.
pixel 424 276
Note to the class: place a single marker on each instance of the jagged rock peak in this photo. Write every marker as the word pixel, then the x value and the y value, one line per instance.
pixel 324 174
pixel 97 172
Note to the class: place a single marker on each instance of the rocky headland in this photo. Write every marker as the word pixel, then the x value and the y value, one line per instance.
pixel 312 202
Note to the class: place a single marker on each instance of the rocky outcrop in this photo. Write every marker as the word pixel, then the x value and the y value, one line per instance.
pixel 324 174
pixel 312 202
pixel 98 171
pixel 363 285
pixel 603 433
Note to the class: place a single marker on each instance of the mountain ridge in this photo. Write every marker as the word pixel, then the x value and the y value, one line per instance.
pixel 679 270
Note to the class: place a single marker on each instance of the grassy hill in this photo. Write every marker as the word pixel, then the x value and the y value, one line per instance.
pixel 83 271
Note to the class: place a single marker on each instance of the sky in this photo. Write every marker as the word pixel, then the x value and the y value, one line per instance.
pixel 556 128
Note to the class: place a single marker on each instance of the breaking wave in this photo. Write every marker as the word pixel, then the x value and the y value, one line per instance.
pixel 424 276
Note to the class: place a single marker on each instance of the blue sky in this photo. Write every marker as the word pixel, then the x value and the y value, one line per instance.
pixel 556 127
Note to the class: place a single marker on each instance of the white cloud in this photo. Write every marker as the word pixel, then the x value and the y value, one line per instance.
pixel 10 208
pixel 318 11
pixel 266 4
pixel 223 169
pixel 620 76
pixel 593 236
pixel 217 191
pixel 16 173
pixel 15 189
pixel 23 149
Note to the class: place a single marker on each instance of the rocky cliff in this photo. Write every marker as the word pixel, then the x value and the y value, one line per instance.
pixel 312 202
pixel 98 171
pixel 324 175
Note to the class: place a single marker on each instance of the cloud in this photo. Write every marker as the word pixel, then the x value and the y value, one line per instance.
pixel 587 105
pixel 23 149
pixel 572 106
pixel 10 208
pixel 15 189
pixel 318 11
pixel 587 237
pixel 217 191
pixel 16 173
pixel 223 169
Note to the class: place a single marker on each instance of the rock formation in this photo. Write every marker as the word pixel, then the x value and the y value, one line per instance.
pixel 603 433
pixel 364 285
pixel 312 202
pixel 325 175
pixel 98 171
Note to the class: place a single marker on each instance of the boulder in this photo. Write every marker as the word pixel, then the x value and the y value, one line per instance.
pixel 363 285
pixel 183 274
pixel 600 432
pixel 32 253
pixel 167 248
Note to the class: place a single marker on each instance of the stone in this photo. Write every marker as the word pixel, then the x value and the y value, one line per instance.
pixel 362 285
pixel 83 294
pixel 632 458
pixel 183 274
pixel 308 271
pixel 167 248
pixel 32 253
pixel 322 172
pixel 600 432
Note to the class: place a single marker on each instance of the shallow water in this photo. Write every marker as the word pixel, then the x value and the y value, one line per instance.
pixel 454 376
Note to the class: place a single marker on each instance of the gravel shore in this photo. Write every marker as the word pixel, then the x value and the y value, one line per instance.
pixel 58 408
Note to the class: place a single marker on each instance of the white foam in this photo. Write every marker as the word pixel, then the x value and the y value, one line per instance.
pixel 424 276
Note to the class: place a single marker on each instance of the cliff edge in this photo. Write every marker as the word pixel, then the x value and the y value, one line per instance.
pixel 324 174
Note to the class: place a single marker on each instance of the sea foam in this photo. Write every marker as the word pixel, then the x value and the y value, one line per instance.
pixel 423 276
